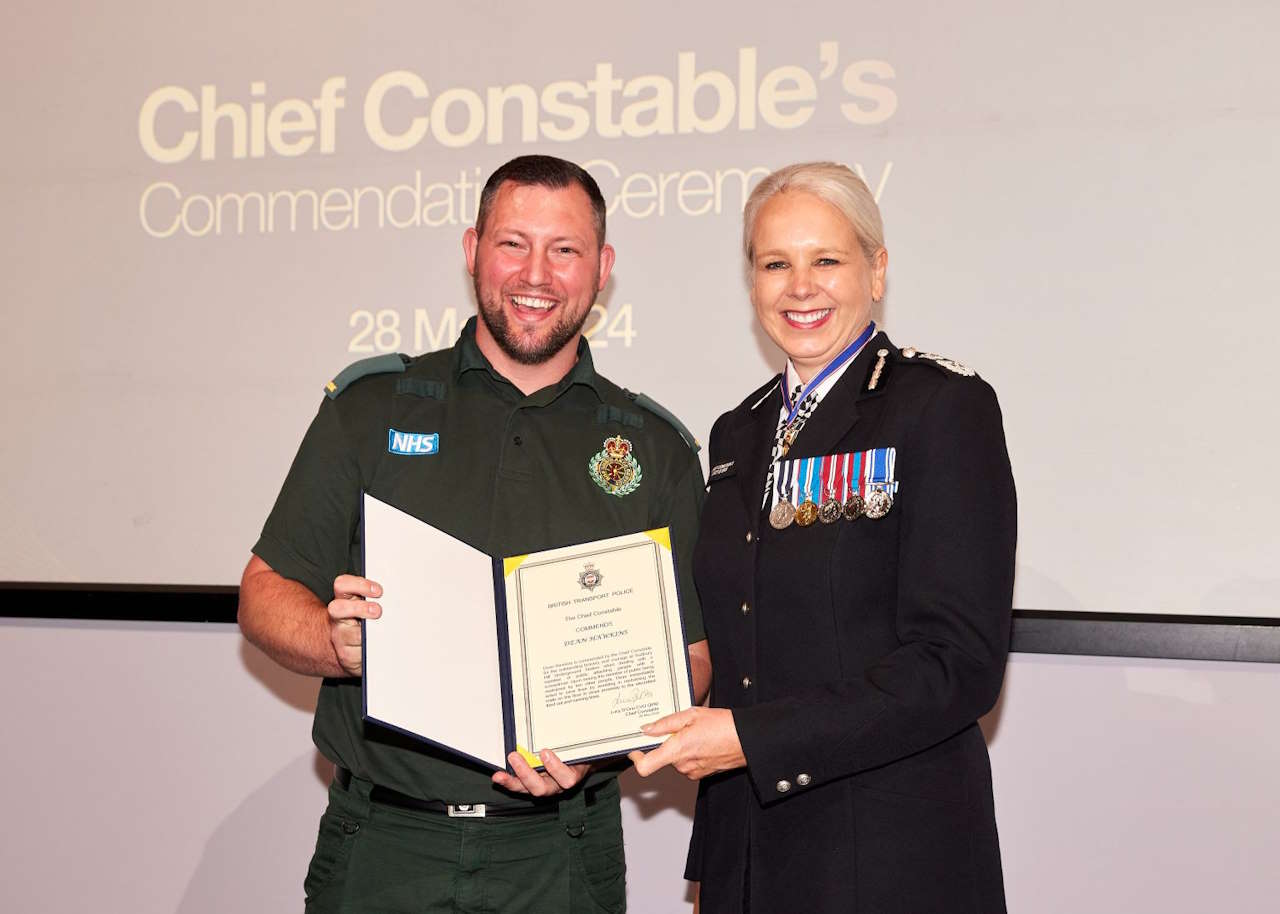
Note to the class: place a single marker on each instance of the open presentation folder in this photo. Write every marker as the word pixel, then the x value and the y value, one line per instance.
pixel 568 649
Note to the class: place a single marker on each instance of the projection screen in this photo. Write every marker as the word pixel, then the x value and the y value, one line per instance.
pixel 210 211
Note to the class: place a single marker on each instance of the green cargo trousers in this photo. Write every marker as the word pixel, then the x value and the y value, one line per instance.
pixel 377 859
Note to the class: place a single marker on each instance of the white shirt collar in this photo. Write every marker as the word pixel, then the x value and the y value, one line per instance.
pixel 792 378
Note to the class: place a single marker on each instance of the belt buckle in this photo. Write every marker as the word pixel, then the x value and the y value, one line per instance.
pixel 466 811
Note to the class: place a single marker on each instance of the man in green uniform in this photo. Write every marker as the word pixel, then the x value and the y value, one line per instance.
pixel 493 442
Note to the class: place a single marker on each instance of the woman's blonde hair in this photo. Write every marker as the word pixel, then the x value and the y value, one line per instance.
pixel 828 181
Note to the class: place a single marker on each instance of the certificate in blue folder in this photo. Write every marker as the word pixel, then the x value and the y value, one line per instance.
pixel 568 649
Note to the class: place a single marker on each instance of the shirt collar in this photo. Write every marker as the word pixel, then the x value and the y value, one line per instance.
pixel 468 357
pixel 792 379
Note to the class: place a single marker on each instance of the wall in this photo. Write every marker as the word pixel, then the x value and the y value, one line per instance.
pixel 168 768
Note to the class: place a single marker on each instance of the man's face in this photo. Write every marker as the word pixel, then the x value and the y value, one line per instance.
pixel 537 269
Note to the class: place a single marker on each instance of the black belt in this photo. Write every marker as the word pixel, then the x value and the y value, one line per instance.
pixel 542 807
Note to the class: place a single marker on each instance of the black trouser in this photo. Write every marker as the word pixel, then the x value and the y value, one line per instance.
pixel 372 857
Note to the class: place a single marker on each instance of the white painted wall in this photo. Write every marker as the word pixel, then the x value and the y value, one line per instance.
pixel 168 768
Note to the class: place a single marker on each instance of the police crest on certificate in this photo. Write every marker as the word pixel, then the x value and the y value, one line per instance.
pixel 569 649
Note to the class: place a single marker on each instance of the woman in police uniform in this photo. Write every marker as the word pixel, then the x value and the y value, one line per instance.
pixel 855 566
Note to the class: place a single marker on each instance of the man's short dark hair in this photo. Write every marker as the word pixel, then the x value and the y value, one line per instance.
pixel 543 171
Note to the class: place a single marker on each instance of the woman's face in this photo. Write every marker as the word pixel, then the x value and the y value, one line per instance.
pixel 811 285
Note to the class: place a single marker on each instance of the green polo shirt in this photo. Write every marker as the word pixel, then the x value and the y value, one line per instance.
pixel 510 475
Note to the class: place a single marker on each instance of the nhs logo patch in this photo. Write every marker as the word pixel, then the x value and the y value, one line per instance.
pixel 412 444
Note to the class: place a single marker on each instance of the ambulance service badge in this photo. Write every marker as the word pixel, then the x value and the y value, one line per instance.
pixel 614 469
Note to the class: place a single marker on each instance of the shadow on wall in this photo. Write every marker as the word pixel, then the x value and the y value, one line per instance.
pixel 667 790
pixel 257 858
pixel 294 690
pixel 1034 589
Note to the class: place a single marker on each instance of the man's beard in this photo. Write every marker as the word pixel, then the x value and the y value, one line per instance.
pixel 517 345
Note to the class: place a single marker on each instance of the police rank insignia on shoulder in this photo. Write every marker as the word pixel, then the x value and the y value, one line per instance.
pixel 614 469
pixel 950 364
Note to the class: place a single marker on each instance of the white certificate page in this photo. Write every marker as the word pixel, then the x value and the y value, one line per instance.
pixel 596 645
pixel 431 660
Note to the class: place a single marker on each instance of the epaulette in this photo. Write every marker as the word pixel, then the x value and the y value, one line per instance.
pixel 950 364
pixel 662 413
pixel 878 374
pixel 608 414
pixel 378 364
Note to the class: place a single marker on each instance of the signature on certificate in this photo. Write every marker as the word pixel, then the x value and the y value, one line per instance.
pixel 629 698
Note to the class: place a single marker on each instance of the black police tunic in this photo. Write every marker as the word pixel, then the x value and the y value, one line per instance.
pixel 858 655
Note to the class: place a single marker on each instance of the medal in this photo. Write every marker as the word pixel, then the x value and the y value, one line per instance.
pixel 788 438
pixel 881 483
pixel 879 501
pixel 783 513
pixel 807 512
pixel 830 510
pixel 853 487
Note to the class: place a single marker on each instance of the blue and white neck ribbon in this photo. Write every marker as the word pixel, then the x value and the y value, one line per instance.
pixel 800 404
pixel 793 407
